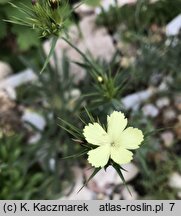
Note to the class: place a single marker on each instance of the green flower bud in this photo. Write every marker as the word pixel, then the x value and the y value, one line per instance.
pixel 47 17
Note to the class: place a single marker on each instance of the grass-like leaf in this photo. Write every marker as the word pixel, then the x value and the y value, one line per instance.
pixel 53 44
pixel 76 155
pixel 92 175
pixel 118 170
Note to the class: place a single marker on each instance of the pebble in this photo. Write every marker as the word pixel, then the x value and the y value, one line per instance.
pixel 168 138
pixel 102 196
pixel 169 115
pixel 16 80
pixel 133 101
pixel 34 138
pixel 175 180
pixel 96 40
pixel 127 61
pixel 179 194
pixel 163 102
pixel 35 119
pixel 150 110
pixel 5 70
pixel 117 196
pixel 174 26
pixel 52 164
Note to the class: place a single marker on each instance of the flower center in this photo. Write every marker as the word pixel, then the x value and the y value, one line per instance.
pixel 113 144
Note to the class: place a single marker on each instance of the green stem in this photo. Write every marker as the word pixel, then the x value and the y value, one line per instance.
pixel 81 53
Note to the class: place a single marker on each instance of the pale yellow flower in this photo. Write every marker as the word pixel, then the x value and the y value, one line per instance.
pixel 114 143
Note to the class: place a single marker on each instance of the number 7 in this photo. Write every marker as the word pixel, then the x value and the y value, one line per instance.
pixel 172 205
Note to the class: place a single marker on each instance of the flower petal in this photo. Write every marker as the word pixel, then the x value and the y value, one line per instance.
pixel 116 124
pixel 131 138
pixel 95 134
pixel 121 155
pixel 99 157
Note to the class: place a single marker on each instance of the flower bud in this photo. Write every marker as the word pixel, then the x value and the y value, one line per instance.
pixel 100 79
pixel 54 4
pixel 33 2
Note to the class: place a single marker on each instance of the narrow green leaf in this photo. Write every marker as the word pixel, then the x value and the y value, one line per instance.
pixel 117 168
pixel 72 127
pixel 89 115
pixel 76 155
pixel 123 169
pixel 92 175
pixel 149 133
pixel 69 131
pixel 82 120
pixel 83 65
pixel 53 44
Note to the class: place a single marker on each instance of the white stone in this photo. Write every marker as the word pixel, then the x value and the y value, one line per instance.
pixel 169 115
pixel 5 70
pixel 104 178
pixel 10 92
pixel 34 138
pixel 52 164
pixel 35 119
pixel 150 110
pixel 96 40
pixel 168 138
pixel 87 26
pixel 133 101
pixel 75 70
pixel 174 26
pixel 100 46
pixel 18 79
pixel 163 87
pixel 116 196
pixel 179 194
pixel 162 102
pixel 175 180
pixel 102 196
pixel 75 93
